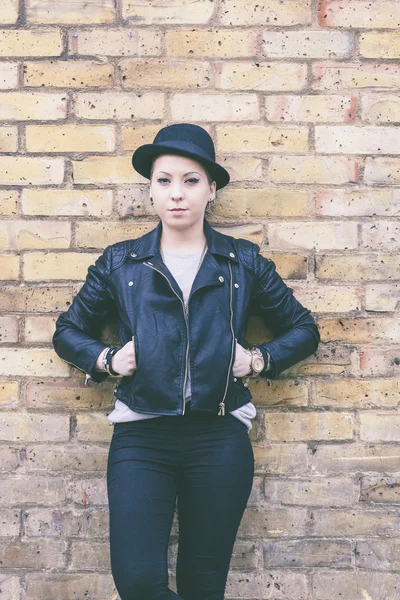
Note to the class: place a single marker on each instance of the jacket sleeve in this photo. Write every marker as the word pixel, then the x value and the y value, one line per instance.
pixel 78 329
pixel 296 333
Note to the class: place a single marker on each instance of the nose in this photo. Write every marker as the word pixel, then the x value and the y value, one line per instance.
pixel 176 192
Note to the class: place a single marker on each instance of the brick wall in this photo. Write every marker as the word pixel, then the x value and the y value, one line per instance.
pixel 303 103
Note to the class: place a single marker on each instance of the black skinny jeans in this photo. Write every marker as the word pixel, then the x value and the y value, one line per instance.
pixel 205 462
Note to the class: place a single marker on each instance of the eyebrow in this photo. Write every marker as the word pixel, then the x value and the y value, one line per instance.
pixel 184 174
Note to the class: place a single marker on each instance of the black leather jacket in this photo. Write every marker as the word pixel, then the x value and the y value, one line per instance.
pixel 234 281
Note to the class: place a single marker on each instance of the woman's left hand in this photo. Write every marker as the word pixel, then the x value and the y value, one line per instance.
pixel 241 366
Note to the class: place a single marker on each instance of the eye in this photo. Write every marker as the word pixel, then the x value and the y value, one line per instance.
pixel 162 179
pixel 193 180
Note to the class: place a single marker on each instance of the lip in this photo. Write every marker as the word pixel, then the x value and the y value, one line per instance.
pixel 178 209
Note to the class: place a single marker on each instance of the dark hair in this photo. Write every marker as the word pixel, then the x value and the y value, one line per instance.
pixel 210 179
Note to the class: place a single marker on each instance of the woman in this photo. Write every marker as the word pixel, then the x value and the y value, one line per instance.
pixel 182 294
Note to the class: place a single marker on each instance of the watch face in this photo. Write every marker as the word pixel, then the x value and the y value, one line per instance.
pixel 258 364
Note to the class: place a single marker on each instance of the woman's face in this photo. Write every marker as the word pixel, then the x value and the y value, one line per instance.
pixel 180 182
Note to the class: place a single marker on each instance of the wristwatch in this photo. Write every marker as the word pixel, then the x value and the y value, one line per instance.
pixel 257 364
pixel 257 361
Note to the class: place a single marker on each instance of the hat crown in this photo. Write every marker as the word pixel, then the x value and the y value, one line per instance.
pixel 187 134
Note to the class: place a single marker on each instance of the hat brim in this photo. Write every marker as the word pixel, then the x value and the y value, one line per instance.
pixel 143 157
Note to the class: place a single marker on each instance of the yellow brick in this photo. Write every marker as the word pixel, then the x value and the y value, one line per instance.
pixel 48 202
pixel 67 12
pixel 20 235
pixel 262 203
pixel 316 44
pixel 34 428
pixel 9 12
pixel 380 45
pixel 25 43
pixel 9 329
pixel 168 12
pixel 253 233
pixel 382 170
pixel 39 329
pixel 35 171
pixel 39 266
pixel 115 42
pixel 282 393
pixel 97 234
pixel 9 267
pixel 73 74
pixel 136 136
pixel 219 43
pixel 357 393
pixel 289 266
pixel 338 76
pixel 328 299
pixel 358 266
pixel 360 14
pixel 265 12
pixel 293 427
pixel 364 202
pixel 214 107
pixel 8 75
pixel 8 203
pixel 383 427
pixel 335 235
pixel 313 169
pixel 357 140
pixel 99 169
pixel 261 76
pixel 259 138
pixel 71 395
pixel 70 138
pixel 93 427
pixel 134 201
pixel 32 106
pixel 37 298
pixel 379 108
pixel 164 72
pixel 8 394
pixel 381 235
pixel 329 360
pixel 8 139
pixel 243 168
pixel 119 105
pixel 38 362
pixel 311 109
pixel 360 331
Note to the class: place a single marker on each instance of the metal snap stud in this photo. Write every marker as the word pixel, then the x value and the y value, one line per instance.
pixel 231 254
pixel 221 278
pixel 133 254
pixel 236 285
pixel 130 283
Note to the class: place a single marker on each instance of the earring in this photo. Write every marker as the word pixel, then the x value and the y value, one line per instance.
pixel 151 200
pixel 211 201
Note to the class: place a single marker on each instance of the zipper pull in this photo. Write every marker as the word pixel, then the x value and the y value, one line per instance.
pixel 87 377
pixel 221 409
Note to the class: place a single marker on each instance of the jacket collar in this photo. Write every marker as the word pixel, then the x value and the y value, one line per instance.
pixel 218 243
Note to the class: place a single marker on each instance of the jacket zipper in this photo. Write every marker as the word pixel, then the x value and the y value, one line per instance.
pixel 87 376
pixel 221 412
pixel 185 311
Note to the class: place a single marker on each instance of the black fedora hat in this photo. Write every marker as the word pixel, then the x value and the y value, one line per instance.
pixel 184 139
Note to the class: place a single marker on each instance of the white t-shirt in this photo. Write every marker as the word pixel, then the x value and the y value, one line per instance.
pixel 184 268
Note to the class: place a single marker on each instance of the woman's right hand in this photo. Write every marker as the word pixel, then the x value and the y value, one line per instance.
pixel 124 361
